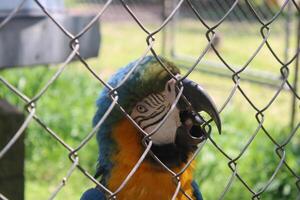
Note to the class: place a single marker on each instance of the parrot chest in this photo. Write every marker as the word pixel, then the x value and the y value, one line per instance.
pixel 149 181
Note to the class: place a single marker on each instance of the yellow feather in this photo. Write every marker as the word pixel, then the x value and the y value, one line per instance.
pixel 149 181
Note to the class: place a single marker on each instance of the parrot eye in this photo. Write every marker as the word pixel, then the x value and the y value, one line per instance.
pixel 141 108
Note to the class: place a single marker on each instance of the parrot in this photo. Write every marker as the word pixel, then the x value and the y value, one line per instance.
pixel 146 96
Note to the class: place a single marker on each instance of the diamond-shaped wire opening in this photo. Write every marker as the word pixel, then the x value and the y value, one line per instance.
pixel 210 34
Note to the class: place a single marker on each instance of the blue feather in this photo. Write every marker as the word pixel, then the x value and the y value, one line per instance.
pixel 93 194
pixel 147 78
pixel 196 192
pixel 105 142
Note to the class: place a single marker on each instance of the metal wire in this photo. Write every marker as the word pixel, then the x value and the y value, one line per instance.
pixel 233 162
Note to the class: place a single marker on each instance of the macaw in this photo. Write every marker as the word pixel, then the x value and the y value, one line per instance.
pixel 147 96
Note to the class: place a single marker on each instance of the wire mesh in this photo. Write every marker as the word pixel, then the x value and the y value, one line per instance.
pixel 245 24
pixel 211 31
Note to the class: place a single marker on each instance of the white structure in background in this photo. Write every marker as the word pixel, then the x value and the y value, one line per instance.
pixel 32 38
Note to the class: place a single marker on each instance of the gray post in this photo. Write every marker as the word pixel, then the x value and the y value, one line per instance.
pixel 168 37
pixel 12 163
pixel 295 84
pixel 173 29
pixel 165 30
pixel 287 24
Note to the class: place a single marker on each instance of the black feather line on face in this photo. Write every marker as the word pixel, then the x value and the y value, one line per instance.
pixel 141 119
pixel 148 78
pixel 155 122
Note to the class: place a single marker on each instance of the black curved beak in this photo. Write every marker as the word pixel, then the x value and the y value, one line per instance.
pixel 201 101
pixel 191 132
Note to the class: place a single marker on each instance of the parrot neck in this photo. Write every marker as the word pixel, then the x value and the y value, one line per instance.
pixel 149 175
pixel 129 148
pixel 170 154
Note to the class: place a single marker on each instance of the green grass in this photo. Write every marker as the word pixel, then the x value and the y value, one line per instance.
pixel 69 104
pixel 235 51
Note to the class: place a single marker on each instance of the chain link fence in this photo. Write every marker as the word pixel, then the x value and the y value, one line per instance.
pixel 211 31
pixel 245 24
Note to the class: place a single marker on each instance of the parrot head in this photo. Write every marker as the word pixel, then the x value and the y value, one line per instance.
pixel 147 96
pixel 183 125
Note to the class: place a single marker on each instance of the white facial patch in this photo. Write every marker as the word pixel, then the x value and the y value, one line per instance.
pixel 151 111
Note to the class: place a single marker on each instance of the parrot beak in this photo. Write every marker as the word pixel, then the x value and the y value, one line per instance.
pixel 191 132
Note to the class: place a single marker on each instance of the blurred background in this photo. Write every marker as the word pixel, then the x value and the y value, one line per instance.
pixel 69 104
